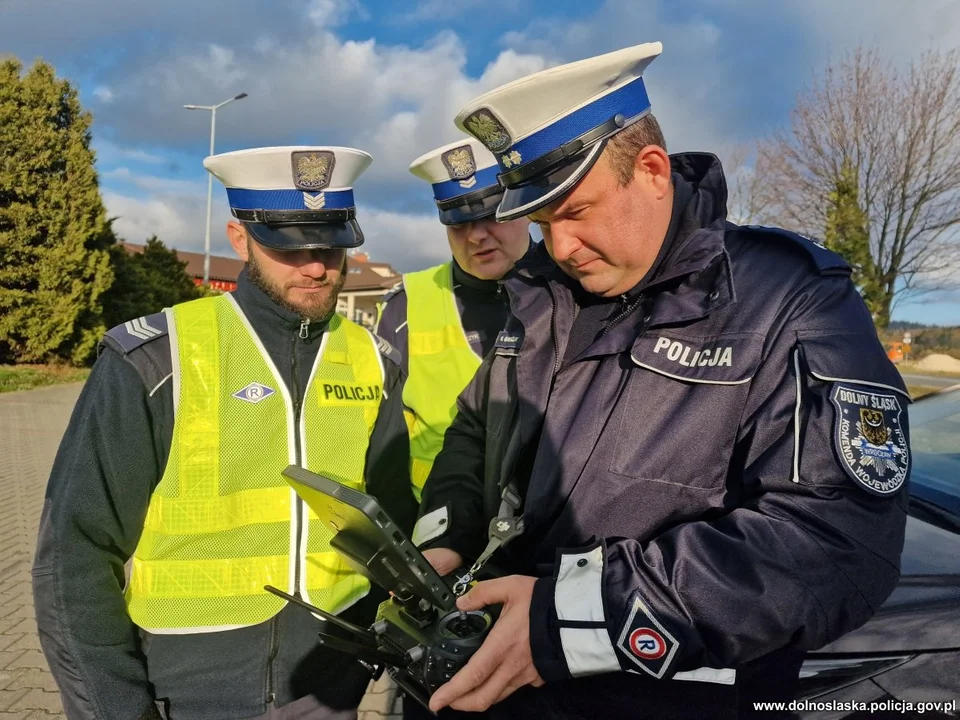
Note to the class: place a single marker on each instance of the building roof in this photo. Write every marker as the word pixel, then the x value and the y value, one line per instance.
pixel 221 268
pixel 361 274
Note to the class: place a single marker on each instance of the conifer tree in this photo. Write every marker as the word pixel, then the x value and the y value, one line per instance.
pixel 54 233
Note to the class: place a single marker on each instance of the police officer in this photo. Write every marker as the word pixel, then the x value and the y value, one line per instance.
pixel 171 463
pixel 695 422
pixel 444 319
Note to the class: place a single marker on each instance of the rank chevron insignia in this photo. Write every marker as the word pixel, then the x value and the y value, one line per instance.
pixel 314 202
pixel 139 328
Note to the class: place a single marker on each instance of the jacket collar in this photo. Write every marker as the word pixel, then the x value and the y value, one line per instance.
pixel 272 322
pixel 692 280
pixel 462 277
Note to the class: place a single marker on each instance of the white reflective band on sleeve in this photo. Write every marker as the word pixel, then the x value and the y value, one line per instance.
pixel 721 676
pixel 432 525
pixel 578 598
pixel 796 420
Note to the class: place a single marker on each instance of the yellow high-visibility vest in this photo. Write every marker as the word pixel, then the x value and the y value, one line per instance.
pixel 441 364
pixel 222 523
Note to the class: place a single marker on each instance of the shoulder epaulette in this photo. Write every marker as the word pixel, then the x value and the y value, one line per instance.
pixel 386 349
pixel 395 290
pixel 827 261
pixel 135 333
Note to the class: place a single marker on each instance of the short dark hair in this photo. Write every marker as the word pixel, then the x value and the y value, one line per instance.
pixel 623 148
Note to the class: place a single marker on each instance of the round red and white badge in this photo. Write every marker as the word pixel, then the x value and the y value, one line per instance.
pixel 647 644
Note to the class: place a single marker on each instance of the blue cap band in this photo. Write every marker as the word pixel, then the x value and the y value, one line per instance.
pixel 241 199
pixel 486 177
pixel 629 101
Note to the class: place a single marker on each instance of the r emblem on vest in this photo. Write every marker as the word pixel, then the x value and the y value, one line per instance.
pixel 254 393
pixel 869 438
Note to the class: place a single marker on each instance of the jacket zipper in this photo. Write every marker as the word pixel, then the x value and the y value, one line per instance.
pixel 303 334
pixel 556 334
pixel 628 308
pixel 271 656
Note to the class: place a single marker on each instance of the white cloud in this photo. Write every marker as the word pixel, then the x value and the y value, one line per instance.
pixel 120 173
pixel 395 101
pixel 329 13
pixel 406 241
pixel 402 136
pixel 142 156
pixel 219 67
pixel 683 83
pixel 178 221
pixel 392 100
pixel 902 29
pixel 154 184
pixel 103 94
pixel 433 11
pixel 109 153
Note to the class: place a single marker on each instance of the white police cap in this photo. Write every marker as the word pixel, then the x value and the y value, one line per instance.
pixel 463 176
pixel 547 129
pixel 294 198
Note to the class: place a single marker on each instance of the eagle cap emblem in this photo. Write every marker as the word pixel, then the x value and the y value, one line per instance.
pixel 459 162
pixel 312 169
pixel 485 127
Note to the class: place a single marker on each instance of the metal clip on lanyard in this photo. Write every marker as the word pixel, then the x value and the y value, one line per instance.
pixel 502 529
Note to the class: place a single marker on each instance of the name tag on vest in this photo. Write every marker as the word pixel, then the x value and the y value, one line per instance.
pixel 721 360
pixel 348 394
pixel 508 343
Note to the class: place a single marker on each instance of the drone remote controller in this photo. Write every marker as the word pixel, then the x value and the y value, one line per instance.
pixel 419 636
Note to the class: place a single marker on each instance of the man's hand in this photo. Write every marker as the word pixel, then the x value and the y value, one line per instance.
pixel 504 663
pixel 444 561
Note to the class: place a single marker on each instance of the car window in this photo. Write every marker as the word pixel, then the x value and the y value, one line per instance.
pixel 935 445
pixel 935 425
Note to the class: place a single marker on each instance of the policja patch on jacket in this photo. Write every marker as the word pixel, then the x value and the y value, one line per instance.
pixel 869 439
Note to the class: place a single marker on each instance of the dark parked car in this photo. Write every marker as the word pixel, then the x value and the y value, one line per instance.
pixel 909 652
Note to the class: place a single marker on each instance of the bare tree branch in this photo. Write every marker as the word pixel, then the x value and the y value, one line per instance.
pixel 746 204
pixel 900 132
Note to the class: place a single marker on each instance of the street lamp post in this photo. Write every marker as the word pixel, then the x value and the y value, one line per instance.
pixel 213 129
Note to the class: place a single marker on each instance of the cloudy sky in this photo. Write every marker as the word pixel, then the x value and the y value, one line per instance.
pixel 388 77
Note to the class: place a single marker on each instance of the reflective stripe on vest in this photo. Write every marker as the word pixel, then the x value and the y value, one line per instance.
pixel 222 523
pixel 441 364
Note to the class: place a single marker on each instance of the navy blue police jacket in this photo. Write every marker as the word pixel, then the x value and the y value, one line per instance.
pixel 712 487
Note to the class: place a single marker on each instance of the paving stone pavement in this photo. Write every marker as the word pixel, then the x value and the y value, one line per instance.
pixel 31 425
